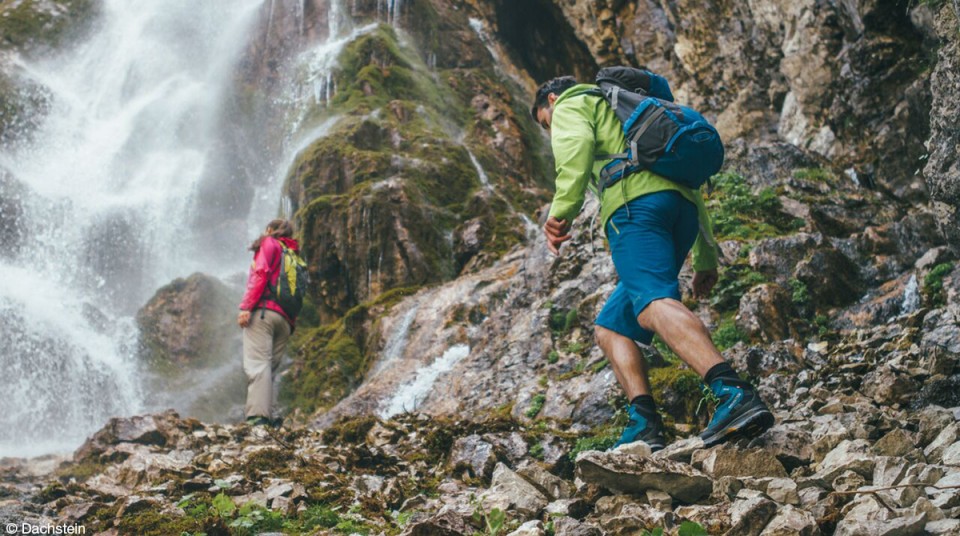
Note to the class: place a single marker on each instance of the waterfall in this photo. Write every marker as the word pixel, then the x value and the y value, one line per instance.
pixel 111 195
pixel 409 395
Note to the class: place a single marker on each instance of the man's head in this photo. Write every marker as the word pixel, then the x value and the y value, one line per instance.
pixel 547 93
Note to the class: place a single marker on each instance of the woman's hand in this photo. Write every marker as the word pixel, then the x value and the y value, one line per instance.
pixel 243 319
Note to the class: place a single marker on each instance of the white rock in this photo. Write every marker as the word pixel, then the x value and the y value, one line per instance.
pixel 943 527
pixel 530 528
pixel 948 436
pixel 783 490
pixel 791 521
pixel 951 456
pixel 638 448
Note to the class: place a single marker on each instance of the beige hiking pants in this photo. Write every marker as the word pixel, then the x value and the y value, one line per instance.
pixel 264 341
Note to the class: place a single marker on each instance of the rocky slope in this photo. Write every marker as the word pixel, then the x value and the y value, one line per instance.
pixel 445 370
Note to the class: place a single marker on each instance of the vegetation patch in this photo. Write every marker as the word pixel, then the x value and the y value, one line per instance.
pixel 933 291
pixel 739 213
pixel 727 333
pixel 733 283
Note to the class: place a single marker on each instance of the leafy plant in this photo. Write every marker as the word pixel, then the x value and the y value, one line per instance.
pixel 727 334
pixel 553 357
pixel 493 521
pixel 689 528
pixel 709 399
pixel 536 404
pixel 933 284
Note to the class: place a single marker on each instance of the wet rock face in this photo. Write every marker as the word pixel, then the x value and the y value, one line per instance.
pixel 187 322
pixel 942 171
pixel 783 71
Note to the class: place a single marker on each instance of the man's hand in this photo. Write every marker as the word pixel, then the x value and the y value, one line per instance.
pixel 557 232
pixel 703 283
pixel 243 319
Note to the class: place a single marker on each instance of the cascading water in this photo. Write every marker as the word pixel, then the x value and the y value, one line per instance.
pixel 107 213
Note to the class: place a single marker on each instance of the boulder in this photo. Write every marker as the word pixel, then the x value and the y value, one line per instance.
pixel 190 321
pixel 832 279
pixel 728 460
pixel 790 521
pixel 512 493
pixel 764 313
pixel 847 456
pixel 949 435
pixel 633 474
pixel 750 515
pixel 566 526
pixel 474 454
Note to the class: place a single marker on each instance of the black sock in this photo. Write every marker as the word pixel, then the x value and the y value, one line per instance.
pixel 721 371
pixel 644 403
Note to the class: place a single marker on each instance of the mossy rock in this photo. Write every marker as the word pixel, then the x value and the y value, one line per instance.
pixel 32 24
pixel 678 393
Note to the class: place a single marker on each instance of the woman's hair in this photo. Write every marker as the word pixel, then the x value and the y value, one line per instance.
pixel 276 229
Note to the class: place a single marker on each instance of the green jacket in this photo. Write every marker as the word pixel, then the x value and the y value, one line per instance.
pixel 583 126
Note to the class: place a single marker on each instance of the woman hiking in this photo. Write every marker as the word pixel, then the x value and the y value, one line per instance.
pixel 266 326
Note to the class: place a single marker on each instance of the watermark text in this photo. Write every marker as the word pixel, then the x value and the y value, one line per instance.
pixel 30 528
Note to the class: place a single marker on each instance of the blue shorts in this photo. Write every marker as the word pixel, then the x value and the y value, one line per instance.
pixel 649 239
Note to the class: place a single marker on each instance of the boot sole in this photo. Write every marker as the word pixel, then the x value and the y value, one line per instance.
pixel 749 425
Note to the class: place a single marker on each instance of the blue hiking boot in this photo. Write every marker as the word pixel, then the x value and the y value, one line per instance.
pixel 741 413
pixel 644 426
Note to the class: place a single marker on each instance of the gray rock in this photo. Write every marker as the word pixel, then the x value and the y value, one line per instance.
pixel 848 481
pixel 948 436
pixel 750 516
pixel 680 451
pixel 620 514
pixel 924 506
pixel 728 460
pixel 764 314
pixel 847 456
pixel 444 523
pixel 791 521
pixel 565 526
pixel 951 455
pixel 530 528
pixel 943 527
pixel 889 471
pixel 511 492
pixel 552 486
pixel 793 446
pixel 901 526
pixel 575 508
pixel 715 518
pixel 660 500
pixel 897 442
pixel 473 453
pixel 634 474
pixel 783 490
pixel 637 448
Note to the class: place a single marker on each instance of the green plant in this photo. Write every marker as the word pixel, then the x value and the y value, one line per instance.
pixel 933 284
pixel 493 521
pixel 709 399
pixel 739 213
pixel 575 347
pixel 727 334
pixel 599 365
pixel 815 174
pixel 536 451
pixel 689 528
pixel 600 439
pixel 553 357
pixel 536 404
pixel 561 321
pixel 799 294
pixel 734 282
pixel 822 324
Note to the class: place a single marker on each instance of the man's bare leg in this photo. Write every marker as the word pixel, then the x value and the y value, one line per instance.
pixel 683 332
pixel 627 362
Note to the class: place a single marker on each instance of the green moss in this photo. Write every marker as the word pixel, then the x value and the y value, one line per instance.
pixel 25 23
pixel 600 438
pixel 933 292
pixel 727 334
pixel 734 282
pixel 536 404
pixel 272 461
pixel 677 390
pixel 562 321
pixel 553 357
pixel 157 523
pixel 351 430
pixel 334 357
pixel 815 174
pixel 80 471
pixel 742 214
pixel 799 294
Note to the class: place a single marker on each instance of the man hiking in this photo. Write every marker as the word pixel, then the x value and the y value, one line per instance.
pixel 651 223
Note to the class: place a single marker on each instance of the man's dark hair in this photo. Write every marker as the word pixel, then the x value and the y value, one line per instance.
pixel 555 85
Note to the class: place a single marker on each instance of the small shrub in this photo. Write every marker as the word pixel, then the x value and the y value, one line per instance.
pixel 933 285
pixel 536 404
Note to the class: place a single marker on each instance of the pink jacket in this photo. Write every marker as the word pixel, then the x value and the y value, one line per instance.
pixel 266 267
